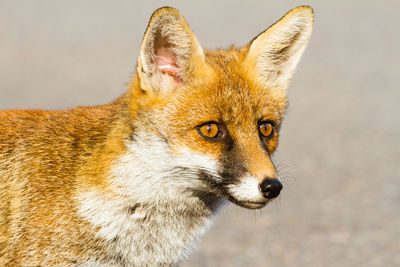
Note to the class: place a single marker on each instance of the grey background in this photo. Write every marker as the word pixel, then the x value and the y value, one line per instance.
pixel 339 154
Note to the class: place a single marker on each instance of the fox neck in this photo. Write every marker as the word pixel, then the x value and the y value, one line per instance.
pixel 155 207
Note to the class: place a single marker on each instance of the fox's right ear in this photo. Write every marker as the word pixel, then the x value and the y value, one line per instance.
pixel 168 53
pixel 273 55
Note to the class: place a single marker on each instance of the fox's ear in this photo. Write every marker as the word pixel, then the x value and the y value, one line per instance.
pixel 273 55
pixel 169 52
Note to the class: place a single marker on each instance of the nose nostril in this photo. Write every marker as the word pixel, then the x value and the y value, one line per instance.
pixel 270 188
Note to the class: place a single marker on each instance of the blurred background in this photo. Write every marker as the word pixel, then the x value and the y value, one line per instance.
pixel 339 154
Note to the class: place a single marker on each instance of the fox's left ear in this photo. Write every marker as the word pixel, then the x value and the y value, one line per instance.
pixel 273 55
pixel 169 54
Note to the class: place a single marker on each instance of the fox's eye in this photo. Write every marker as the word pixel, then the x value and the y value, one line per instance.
pixel 209 130
pixel 266 129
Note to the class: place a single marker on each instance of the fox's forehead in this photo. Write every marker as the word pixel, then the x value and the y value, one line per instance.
pixel 231 95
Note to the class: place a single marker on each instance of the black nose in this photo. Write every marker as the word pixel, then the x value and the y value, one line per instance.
pixel 271 188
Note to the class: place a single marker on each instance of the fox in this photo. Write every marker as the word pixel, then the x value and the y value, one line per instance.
pixel 138 181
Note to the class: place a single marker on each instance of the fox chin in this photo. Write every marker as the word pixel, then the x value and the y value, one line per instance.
pixel 138 181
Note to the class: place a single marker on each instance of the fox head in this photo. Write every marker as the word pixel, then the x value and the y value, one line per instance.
pixel 211 119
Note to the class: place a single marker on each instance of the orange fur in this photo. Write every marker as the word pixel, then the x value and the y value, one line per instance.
pixel 50 158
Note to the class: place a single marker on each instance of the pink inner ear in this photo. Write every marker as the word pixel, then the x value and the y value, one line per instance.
pixel 166 63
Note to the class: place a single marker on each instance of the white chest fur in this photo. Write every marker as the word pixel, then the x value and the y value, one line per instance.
pixel 142 235
pixel 154 217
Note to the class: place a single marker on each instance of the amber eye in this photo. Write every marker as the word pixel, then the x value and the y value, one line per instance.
pixel 266 129
pixel 209 130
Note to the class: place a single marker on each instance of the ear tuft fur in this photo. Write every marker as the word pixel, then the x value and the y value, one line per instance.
pixel 274 54
pixel 167 50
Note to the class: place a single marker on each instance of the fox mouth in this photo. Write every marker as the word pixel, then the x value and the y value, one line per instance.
pixel 248 204
pixel 222 190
